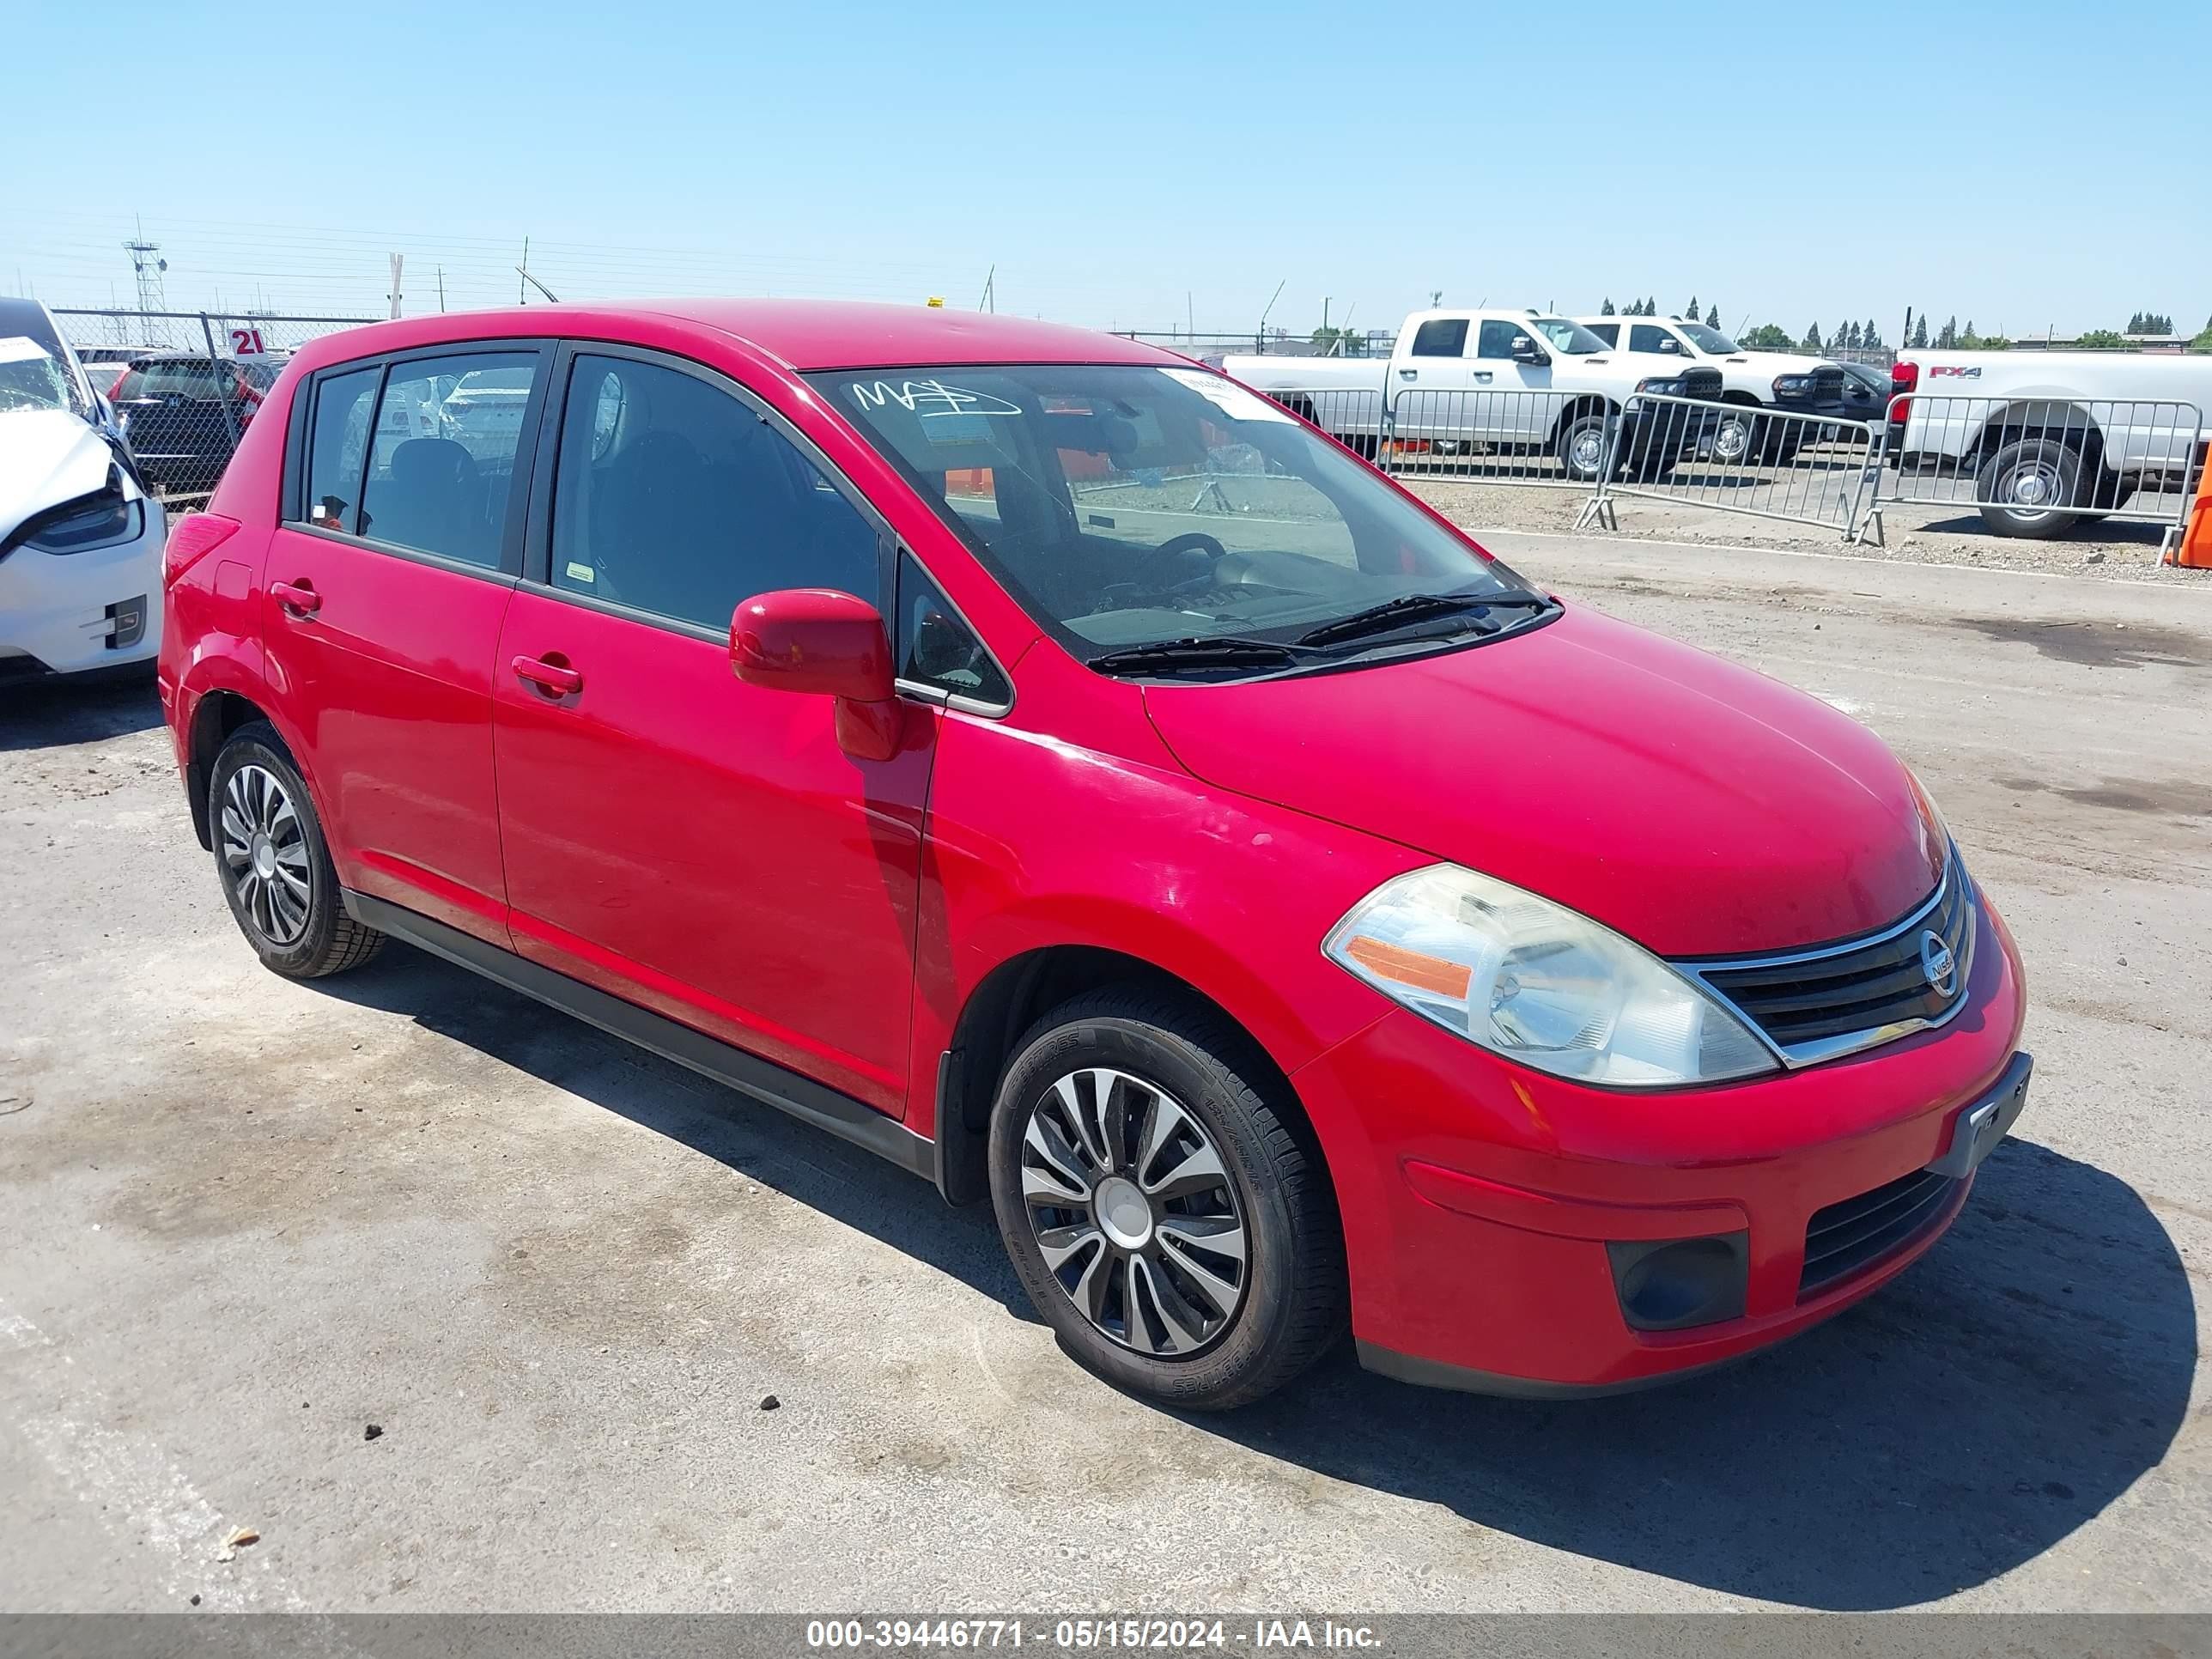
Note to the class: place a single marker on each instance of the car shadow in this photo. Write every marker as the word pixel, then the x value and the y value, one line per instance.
pixel 47 713
pixel 1999 1395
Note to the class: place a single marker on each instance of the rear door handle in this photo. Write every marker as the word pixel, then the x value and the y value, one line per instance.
pixel 552 676
pixel 299 597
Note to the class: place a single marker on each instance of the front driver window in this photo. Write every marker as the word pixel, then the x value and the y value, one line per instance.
pixel 673 497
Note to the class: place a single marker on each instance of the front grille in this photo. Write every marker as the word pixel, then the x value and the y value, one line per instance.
pixel 1871 988
pixel 1827 383
pixel 1847 1238
pixel 1702 383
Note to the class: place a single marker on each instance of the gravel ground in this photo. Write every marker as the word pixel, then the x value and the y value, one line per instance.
pixel 462 1305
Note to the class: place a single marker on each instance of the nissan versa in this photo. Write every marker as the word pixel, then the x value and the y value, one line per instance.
pixel 1047 764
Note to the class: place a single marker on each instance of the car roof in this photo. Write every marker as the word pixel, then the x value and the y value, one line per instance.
pixel 804 334
pixel 30 318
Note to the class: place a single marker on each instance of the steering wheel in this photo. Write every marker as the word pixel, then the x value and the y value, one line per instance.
pixel 1169 555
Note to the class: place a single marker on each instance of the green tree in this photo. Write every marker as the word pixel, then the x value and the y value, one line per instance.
pixel 1650 306
pixel 1712 316
pixel 1948 336
pixel 1970 341
pixel 2135 324
pixel 1847 339
pixel 2105 339
pixel 1815 339
pixel 1772 337
pixel 2203 335
pixel 1920 331
pixel 1606 310
pixel 1691 314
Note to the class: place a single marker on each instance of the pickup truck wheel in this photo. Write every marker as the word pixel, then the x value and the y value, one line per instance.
pixel 1582 446
pixel 1732 439
pixel 2025 486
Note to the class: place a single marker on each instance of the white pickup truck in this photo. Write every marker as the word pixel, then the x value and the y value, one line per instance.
pixel 1501 381
pixel 2042 432
pixel 1769 380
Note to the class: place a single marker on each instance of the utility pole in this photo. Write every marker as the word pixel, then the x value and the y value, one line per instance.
pixel 522 270
pixel 146 262
pixel 441 290
pixel 1190 315
pixel 398 260
pixel 1260 336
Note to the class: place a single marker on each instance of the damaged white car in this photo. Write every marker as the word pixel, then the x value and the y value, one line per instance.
pixel 81 538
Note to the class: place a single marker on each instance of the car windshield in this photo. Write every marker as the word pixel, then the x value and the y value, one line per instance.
pixel 31 377
pixel 1709 339
pixel 1130 506
pixel 1571 337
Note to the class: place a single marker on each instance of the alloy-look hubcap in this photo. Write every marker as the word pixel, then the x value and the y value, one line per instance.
pixel 1134 1212
pixel 264 853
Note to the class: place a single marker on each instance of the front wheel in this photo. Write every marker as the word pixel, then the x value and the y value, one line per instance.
pixel 2024 486
pixel 1166 1214
pixel 1582 446
pixel 274 864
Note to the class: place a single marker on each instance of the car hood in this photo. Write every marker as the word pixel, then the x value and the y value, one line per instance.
pixel 48 456
pixel 1697 807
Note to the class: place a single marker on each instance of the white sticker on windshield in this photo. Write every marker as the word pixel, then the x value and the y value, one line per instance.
pixel 19 348
pixel 1230 399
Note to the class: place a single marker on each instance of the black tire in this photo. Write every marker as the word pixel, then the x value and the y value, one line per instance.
pixel 324 939
pixel 1292 1298
pixel 2057 472
pixel 1573 440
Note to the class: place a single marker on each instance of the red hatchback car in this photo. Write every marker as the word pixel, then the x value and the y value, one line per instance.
pixel 1043 762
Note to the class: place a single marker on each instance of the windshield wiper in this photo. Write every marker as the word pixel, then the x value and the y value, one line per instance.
pixel 1222 651
pixel 1392 614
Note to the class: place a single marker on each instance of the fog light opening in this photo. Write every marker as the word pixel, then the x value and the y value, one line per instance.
pixel 1671 1285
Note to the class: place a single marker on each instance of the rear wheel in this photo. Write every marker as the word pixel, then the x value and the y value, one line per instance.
pixel 2025 486
pixel 1165 1215
pixel 274 864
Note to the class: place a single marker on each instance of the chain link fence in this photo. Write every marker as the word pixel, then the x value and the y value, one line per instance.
pixel 186 385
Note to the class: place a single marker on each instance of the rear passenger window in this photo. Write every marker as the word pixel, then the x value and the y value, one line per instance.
pixel 443 458
pixel 673 496
pixel 338 443
pixel 1441 337
pixel 1609 333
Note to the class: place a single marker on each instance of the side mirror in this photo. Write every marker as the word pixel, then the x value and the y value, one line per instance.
pixel 1526 350
pixel 830 644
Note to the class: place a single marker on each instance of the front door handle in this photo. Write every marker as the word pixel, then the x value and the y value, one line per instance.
pixel 557 677
pixel 1409 373
pixel 298 597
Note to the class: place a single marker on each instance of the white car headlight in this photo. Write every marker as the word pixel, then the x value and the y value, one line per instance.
pixel 1536 982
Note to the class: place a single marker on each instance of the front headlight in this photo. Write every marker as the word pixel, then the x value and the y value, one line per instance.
pixel 1662 385
pixel 1535 983
pixel 103 519
pixel 1791 385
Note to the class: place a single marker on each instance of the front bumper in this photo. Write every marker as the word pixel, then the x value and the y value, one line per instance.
pixel 1487 1208
pixel 67 613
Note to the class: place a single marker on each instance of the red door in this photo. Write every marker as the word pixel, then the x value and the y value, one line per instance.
pixel 381 618
pixel 704 847
pixel 673 836
pixel 387 682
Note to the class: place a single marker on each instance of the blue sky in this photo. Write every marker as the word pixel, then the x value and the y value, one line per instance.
pixel 2021 166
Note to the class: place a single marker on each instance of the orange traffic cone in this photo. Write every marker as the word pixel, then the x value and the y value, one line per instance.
pixel 2195 549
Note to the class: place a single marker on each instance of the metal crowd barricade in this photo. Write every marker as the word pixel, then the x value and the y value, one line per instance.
pixel 1733 457
pixel 1515 435
pixel 2033 466
pixel 1352 415
pixel 186 384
